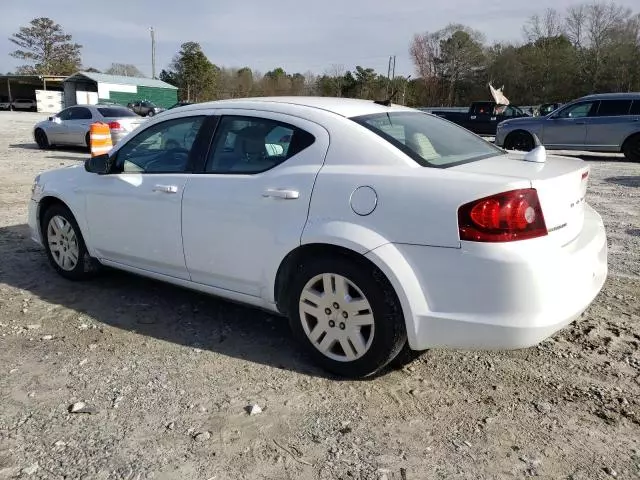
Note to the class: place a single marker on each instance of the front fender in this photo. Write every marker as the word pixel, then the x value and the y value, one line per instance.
pixel 74 203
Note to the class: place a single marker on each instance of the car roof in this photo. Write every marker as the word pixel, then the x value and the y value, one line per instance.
pixel 612 96
pixel 345 107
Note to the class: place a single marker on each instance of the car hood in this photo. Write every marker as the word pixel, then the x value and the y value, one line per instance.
pixel 521 121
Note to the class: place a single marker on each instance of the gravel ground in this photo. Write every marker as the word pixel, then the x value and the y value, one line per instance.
pixel 167 375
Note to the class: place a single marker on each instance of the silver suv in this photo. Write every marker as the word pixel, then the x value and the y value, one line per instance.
pixel 607 122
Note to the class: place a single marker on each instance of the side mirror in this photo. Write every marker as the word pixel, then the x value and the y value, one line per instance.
pixel 100 164
pixel 51 119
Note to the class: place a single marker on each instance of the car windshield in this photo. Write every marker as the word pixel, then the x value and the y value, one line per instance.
pixel 429 140
pixel 116 112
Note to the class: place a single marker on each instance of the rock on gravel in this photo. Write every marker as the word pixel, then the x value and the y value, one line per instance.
pixel 202 436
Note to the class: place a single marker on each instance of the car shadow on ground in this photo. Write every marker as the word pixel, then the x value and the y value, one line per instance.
pixel 69 149
pixel 625 180
pixel 155 309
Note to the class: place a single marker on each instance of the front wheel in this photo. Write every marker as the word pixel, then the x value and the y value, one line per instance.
pixel 347 316
pixel 522 141
pixel 631 148
pixel 65 246
pixel 41 139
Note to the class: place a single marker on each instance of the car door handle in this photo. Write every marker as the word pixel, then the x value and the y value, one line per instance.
pixel 281 193
pixel 166 188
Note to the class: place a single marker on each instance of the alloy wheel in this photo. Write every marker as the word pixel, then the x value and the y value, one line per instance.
pixel 336 317
pixel 63 243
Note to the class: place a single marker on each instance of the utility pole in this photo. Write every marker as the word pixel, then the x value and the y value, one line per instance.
pixel 153 52
pixel 391 72
pixel 404 90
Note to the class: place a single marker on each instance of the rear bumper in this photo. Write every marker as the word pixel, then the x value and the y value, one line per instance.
pixel 507 296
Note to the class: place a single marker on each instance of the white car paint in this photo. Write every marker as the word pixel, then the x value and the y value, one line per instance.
pixel 228 234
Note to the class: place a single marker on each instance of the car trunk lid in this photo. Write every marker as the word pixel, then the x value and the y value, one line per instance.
pixel 561 184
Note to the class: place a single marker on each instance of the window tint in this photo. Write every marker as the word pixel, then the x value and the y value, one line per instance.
pixel 253 145
pixel 81 113
pixel 635 108
pixel 116 112
pixel 579 110
pixel 612 108
pixel 162 148
pixel 429 140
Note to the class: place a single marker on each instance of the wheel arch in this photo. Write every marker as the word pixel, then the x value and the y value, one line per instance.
pixel 629 138
pixel 46 202
pixel 386 259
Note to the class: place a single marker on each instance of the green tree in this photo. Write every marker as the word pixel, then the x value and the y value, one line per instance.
pixel 461 56
pixel 195 75
pixel 46 49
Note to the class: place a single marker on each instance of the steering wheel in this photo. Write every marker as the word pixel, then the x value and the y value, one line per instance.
pixel 173 157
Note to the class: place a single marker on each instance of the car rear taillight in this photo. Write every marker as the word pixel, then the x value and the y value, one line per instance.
pixel 115 126
pixel 505 217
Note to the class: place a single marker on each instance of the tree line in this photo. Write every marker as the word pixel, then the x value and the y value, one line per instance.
pixel 589 48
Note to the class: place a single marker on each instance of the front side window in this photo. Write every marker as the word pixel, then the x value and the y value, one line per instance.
pixel 250 145
pixel 635 108
pixel 65 114
pixel 579 110
pixel 429 140
pixel 613 108
pixel 162 148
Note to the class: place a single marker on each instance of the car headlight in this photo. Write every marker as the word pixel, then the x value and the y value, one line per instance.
pixel 36 188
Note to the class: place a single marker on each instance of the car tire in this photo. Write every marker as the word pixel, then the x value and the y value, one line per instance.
pixel 65 245
pixel 151 113
pixel 631 148
pixel 522 141
pixel 405 357
pixel 351 331
pixel 41 139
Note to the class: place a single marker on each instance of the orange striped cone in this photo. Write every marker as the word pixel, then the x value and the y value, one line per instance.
pixel 100 138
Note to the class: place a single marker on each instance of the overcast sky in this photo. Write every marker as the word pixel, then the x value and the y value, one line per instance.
pixel 298 35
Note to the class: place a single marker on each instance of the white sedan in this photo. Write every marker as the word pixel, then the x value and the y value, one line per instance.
pixel 376 229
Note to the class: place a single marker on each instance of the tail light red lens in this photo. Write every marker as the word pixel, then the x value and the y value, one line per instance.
pixel 505 217
pixel 115 126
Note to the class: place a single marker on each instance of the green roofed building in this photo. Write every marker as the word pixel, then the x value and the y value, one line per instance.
pixel 90 88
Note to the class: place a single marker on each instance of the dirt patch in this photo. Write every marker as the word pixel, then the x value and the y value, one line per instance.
pixel 169 378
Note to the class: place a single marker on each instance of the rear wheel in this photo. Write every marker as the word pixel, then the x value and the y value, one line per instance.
pixel 65 246
pixel 41 139
pixel 631 148
pixel 346 316
pixel 522 141
pixel 151 113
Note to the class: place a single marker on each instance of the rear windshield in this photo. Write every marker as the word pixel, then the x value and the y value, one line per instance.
pixel 429 140
pixel 116 112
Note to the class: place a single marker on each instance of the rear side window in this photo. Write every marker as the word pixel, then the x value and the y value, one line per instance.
pixel 81 113
pixel 635 108
pixel 250 145
pixel 429 140
pixel 613 108
pixel 116 112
